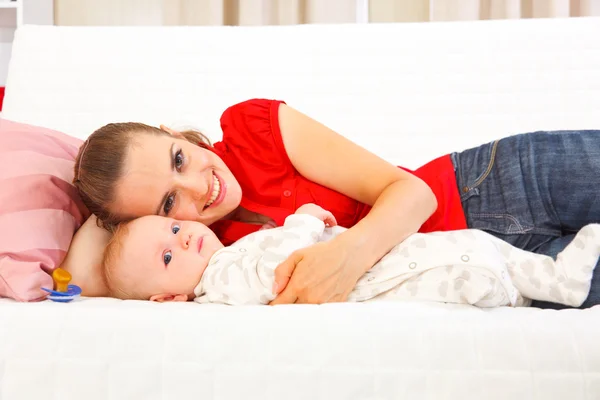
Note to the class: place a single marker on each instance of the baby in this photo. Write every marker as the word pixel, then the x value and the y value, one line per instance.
pixel 161 259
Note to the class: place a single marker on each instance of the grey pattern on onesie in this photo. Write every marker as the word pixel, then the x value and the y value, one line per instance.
pixel 466 266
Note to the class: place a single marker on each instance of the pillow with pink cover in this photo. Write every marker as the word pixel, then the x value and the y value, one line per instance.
pixel 40 209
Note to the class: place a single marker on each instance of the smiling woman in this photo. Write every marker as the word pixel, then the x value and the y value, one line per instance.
pixel 165 174
pixel 273 159
pixel 156 171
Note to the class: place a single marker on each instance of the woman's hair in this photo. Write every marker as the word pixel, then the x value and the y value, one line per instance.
pixel 100 164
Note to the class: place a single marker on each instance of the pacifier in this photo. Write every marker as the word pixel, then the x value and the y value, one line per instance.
pixel 63 292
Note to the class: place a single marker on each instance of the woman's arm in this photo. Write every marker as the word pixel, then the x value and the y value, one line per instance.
pixel 400 202
pixel 84 258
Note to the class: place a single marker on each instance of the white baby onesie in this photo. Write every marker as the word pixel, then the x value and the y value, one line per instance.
pixel 466 266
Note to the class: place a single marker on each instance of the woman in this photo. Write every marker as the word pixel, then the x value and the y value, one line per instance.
pixel 272 159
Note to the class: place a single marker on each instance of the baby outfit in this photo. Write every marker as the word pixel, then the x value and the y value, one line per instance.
pixel 464 266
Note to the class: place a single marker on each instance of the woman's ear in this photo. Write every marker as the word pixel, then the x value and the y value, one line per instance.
pixel 171 131
pixel 164 297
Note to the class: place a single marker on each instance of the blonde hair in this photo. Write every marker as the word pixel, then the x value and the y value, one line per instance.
pixel 100 165
pixel 118 287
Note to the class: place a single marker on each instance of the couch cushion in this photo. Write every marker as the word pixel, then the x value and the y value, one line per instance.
pixel 39 207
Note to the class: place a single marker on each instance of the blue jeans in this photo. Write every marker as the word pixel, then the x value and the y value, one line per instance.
pixel 534 190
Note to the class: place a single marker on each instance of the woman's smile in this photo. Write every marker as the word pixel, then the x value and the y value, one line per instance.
pixel 217 191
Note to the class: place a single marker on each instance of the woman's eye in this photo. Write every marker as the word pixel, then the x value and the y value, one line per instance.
pixel 178 160
pixel 175 229
pixel 169 204
pixel 167 257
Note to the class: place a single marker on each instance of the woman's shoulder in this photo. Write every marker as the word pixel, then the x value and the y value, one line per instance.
pixel 253 125
pixel 252 106
pixel 253 114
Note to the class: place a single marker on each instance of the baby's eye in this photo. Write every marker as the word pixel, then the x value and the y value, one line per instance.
pixel 175 228
pixel 167 257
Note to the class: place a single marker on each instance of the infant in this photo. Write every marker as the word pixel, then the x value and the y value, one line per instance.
pixel 161 259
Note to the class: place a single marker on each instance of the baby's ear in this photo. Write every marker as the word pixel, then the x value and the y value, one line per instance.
pixel 164 297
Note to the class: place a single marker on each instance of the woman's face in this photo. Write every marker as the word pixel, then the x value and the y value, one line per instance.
pixel 169 176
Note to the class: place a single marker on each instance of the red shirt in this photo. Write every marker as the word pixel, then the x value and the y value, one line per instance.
pixel 253 150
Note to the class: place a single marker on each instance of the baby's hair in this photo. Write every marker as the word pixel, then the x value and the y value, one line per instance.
pixel 111 262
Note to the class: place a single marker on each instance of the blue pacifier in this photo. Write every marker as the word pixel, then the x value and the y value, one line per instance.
pixel 64 292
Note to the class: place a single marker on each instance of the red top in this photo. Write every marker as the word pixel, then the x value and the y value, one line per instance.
pixel 253 150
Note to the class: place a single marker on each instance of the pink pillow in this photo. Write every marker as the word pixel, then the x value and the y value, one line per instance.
pixel 40 209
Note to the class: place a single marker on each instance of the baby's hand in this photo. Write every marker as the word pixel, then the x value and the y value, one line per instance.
pixel 268 225
pixel 318 212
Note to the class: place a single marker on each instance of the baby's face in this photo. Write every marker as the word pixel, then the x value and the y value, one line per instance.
pixel 165 257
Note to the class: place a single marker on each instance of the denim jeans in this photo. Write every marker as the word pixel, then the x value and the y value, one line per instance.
pixel 534 190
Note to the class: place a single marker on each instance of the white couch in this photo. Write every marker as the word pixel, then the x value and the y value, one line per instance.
pixel 409 92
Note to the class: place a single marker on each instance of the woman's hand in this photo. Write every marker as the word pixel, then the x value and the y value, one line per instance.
pixel 321 273
pixel 401 203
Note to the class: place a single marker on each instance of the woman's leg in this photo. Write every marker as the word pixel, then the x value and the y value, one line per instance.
pixel 532 189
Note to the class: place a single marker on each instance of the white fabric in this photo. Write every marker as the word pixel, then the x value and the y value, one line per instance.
pixel 465 267
pixel 407 92
pixel 122 350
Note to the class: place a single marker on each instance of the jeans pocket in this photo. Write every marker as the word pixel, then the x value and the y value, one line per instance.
pixel 485 191
pixel 502 223
pixel 469 187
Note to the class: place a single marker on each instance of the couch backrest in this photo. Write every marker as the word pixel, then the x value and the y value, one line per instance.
pixel 409 92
